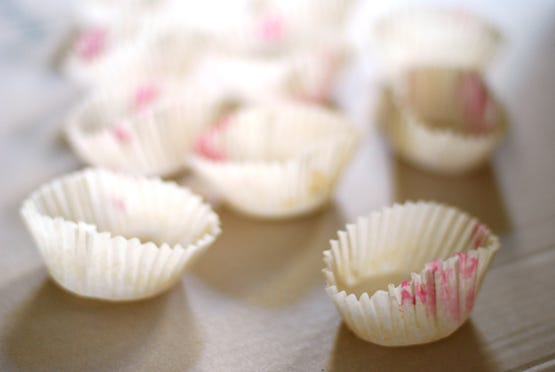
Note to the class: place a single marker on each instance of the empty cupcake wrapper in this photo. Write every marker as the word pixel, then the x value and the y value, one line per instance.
pixel 309 75
pixel 409 274
pixel 116 237
pixel 106 54
pixel 434 37
pixel 276 27
pixel 278 161
pixel 411 121
pixel 147 128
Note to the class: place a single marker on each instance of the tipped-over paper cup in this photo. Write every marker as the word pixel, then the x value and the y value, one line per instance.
pixel 409 274
pixel 148 127
pixel 276 161
pixel 443 120
pixel 434 37
pixel 116 237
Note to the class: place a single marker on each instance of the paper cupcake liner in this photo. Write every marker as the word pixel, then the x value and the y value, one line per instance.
pixel 434 37
pixel 146 128
pixel 153 46
pixel 276 161
pixel 272 27
pixel 95 11
pixel 308 75
pixel 98 44
pixel 437 148
pixel 409 274
pixel 115 237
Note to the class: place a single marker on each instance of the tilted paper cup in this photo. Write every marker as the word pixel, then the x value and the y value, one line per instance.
pixel 147 127
pixel 408 274
pixel 116 237
pixel 276 161
pixel 433 37
pixel 443 120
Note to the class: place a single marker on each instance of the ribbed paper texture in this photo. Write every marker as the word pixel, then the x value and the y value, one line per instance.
pixel 438 256
pixel 147 127
pixel 434 37
pixel 116 237
pixel 277 161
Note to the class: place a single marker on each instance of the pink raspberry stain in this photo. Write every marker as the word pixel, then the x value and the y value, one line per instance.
pixel 467 265
pixel 92 43
pixel 145 95
pixel 467 268
pixel 474 101
pixel 271 27
pixel 479 233
pixel 406 295
pixel 205 146
pixel 122 134
pixel 118 204
pixel 423 292
pixel 441 277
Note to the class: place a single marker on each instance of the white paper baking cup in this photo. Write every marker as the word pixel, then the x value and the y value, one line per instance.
pixel 146 128
pixel 276 161
pixel 117 237
pixel 408 274
pixel 442 149
pixel 102 11
pixel 272 27
pixel 307 75
pixel 434 36
pixel 154 45
pixel 97 44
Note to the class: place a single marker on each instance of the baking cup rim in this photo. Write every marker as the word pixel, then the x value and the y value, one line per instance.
pixel 28 208
pixel 409 118
pixel 350 133
pixel 484 22
pixel 332 288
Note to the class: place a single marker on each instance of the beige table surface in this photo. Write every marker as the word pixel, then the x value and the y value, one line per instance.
pixel 255 301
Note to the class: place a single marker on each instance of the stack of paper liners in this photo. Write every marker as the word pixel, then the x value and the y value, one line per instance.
pixel 276 161
pixel 145 127
pixel 434 37
pixel 115 237
pixel 410 273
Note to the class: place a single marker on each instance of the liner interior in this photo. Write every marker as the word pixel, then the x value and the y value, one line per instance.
pixel 397 246
pixel 149 210
pixel 275 133
pixel 450 98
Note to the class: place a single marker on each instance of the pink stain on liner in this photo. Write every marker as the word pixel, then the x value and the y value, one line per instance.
pixel 145 95
pixel 448 296
pixel 474 101
pixel 205 145
pixel 119 204
pixel 271 27
pixel 479 232
pixel 467 266
pixel 92 43
pixel 122 134
pixel 406 295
